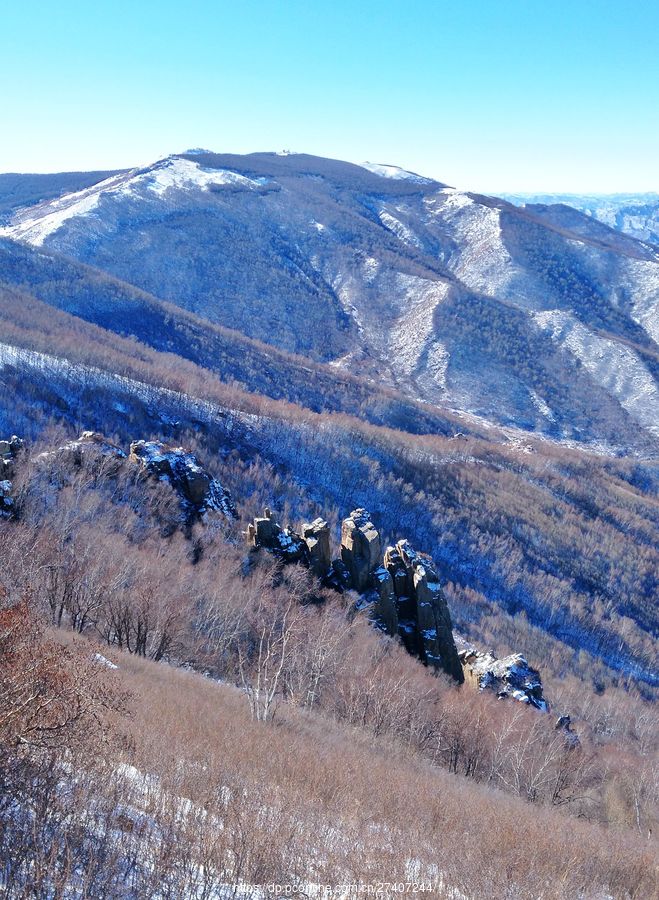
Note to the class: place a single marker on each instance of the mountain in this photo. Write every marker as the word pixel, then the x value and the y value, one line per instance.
pixel 20 190
pixel 544 548
pixel 633 214
pixel 517 317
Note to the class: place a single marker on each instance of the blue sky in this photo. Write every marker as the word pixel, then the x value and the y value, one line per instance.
pixel 492 95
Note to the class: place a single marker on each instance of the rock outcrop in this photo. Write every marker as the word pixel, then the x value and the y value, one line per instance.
pixel 564 725
pixel 407 599
pixel 511 676
pixel 89 444
pixel 284 543
pixel 414 597
pixel 360 548
pixel 6 499
pixel 197 490
pixel 316 536
pixel 9 452
pixel 311 548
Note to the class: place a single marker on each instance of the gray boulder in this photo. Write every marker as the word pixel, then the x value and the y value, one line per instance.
pixel 509 677
pixel 198 492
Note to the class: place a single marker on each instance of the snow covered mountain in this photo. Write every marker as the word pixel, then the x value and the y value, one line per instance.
pixel 539 318
pixel 634 214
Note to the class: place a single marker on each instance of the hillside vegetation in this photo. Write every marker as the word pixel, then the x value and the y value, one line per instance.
pixel 158 781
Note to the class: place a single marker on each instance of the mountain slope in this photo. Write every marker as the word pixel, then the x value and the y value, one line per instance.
pixel 543 550
pixel 251 365
pixel 457 299
pixel 634 214
pixel 20 190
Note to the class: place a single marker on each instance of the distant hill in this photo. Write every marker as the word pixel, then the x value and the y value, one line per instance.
pixel 634 214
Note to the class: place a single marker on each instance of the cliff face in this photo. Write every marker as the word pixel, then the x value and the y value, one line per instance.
pixel 403 587
pixel 413 598
pixel 404 590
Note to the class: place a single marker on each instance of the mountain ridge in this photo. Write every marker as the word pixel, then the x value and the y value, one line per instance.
pixel 398 281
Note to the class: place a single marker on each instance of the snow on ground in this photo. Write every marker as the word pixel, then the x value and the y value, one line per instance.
pixel 395 172
pixel 371 267
pixel 437 364
pixel 54 369
pixel 104 661
pixel 617 368
pixel 481 260
pixel 35 224
pixel 185 174
pixel 402 232
pixel 412 335
pixel 643 289
pixel 541 406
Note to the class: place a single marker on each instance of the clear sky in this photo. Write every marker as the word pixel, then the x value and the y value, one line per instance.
pixel 492 95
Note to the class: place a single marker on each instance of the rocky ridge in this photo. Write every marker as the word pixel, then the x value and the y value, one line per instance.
pixel 197 491
pixel 9 451
pixel 401 585
pixel 403 589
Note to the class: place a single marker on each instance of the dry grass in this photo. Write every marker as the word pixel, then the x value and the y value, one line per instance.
pixel 361 809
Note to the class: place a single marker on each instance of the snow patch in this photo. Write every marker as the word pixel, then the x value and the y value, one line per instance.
pixel 541 406
pixel 371 269
pixel 402 232
pixel 104 661
pixel 395 172
pixel 412 334
pixel 617 368
pixel 35 224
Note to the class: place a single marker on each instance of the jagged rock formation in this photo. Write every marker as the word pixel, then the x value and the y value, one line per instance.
pixel 316 536
pixel 197 490
pixel 312 547
pixel 360 548
pixel 91 443
pixel 9 451
pixel 405 591
pixel 283 542
pixel 508 677
pixel 413 598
